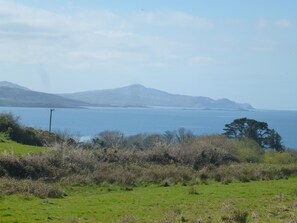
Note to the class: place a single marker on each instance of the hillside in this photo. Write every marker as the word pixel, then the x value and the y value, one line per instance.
pixel 18 96
pixel 138 95
pixel 12 85
pixel 131 96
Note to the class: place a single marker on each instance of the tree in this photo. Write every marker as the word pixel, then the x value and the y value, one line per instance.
pixel 184 135
pixel 169 136
pixel 274 141
pixel 109 139
pixel 252 129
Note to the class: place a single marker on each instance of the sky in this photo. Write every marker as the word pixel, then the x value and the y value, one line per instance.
pixel 245 50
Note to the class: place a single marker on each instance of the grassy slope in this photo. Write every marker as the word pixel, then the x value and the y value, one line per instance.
pixel 7 146
pixel 265 201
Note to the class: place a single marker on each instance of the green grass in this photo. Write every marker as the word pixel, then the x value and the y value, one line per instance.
pixel 10 147
pixel 17 149
pixel 264 201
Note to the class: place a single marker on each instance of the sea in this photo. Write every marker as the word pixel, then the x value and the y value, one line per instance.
pixel 86 123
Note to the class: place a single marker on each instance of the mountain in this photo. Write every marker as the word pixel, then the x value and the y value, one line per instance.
pixel 140 96
pixel 131 96
pixel 12 85
pixel 18 96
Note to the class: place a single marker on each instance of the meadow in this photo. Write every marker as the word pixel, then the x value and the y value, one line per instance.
pixel 18 149
pixel 259 201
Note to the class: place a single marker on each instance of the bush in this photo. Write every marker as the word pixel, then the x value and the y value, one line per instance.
pixel 3 137
pixel 33 167
pixel 236 216
pixel 28 136
pixel 201 158
pixel 213 157
pixel 11 128
pixel 286 157
pixel 109 139
pixel 9 125
pixel 248 172
pixel 36 188
pixel 202 151
pixel 247 150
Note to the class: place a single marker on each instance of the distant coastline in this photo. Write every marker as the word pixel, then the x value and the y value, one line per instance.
pixel 133 96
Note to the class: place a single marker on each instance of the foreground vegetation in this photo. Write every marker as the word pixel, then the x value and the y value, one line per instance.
pixel 170 177
pixel 205 158
pixel 13 148
pixel 258 201
pixel 181 183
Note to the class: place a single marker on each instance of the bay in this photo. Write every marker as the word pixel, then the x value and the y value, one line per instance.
pixel 87 123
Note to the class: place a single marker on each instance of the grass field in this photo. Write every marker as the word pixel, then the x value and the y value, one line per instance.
pixel 17 149
pixel 261 201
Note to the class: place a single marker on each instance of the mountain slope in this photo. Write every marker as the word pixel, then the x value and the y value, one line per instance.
pixel 18 96
pixel 138 95
pixel 12 85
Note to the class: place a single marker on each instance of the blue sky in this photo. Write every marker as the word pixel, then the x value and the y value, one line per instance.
pixel 242 50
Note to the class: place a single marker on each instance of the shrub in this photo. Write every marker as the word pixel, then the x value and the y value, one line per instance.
pixel 161 156
pixel 236 216
pixel 9 124
pixel 28 136
pixel 286 157
pixel 201 151
pixel 10 127
pixel 109 139
pixel 33 167
pixel 202 158
pixel 3 137
pixel 249 172
pixel 36 188
pixel 247 150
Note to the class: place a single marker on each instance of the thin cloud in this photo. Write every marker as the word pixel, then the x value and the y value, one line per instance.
pixel 201 60
pixel 283 23
pixel 280 23
pixel 173 19
pixel 113 34
pixel 262 24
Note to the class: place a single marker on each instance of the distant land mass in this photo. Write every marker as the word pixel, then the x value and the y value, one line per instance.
pixel 12 85
pixel 14 95
pixel 140 96
pixel 130 96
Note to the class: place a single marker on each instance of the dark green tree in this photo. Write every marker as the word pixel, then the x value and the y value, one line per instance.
pixel 274 141
pixel 252 129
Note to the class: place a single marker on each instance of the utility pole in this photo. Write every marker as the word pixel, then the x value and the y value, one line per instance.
pixel 50 121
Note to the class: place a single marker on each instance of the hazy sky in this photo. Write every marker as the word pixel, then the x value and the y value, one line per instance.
pixel 244 50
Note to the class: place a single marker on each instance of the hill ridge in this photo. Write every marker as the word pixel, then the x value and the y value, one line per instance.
pixel 139 95
pixel 135 95
pixel 12 85
pixel 18 97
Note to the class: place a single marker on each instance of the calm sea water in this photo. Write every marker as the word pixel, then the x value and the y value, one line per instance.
pixel 89 122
